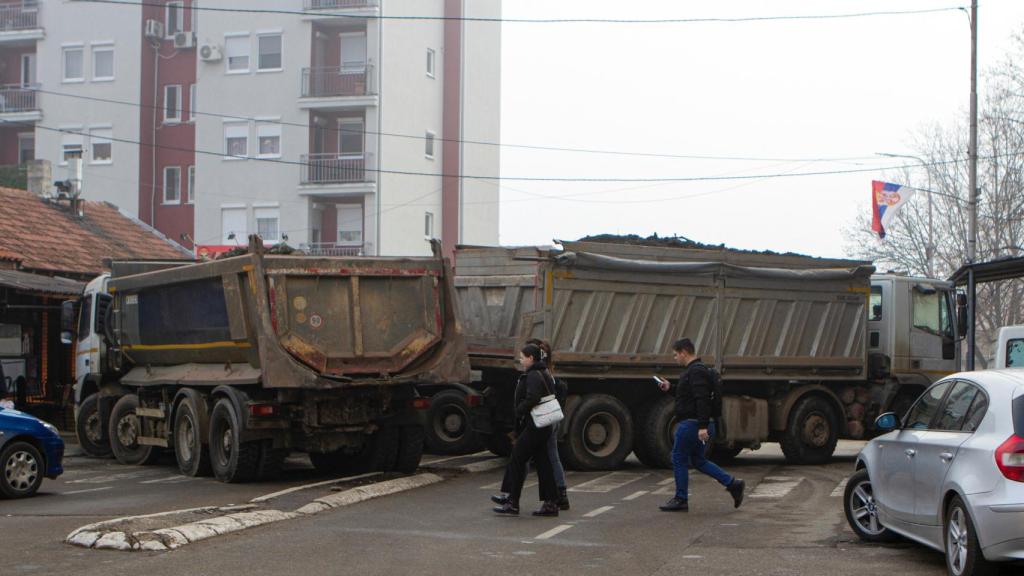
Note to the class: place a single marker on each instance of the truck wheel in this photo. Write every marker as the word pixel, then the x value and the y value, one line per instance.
pixel 124 431
pixel 812 433
pixel 232 460
pixel 410 449
pixel 447 427
pixel 380 452
pixel 600 434
pixel 21 470
pixel 656 432
pixel 89 428
pixel 192 455
pixel 498 443
pixel 720 453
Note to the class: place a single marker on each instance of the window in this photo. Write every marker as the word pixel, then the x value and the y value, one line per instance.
pixel 430 62
pixel 350 136
pixel 28 70
pixel 920 416
pixel 269 139
pixel 350 225
pixel 1015 353
pixel 267 224
pixel 71 145
pixel 428 225
pixel 232 226
pixel 191 198
pixel 26 147
pixel 100 142
pixel 959 402
pixel 236 140
pixel 269 46
pixel 875 304
pixel 102 63
pixel 977 413
pixel 926 309
pixel 192 95
pixel 74 66
pixel 172 185
pixel 428 144
pixel 174 21
pixel 237 49
pixel 172 104
pixel 84 318
pixel 353 50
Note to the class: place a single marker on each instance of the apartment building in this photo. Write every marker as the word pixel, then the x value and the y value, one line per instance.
pixel 327 125
pixel 20 29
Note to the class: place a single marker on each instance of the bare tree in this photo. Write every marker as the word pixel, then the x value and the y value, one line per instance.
pixel 1000 211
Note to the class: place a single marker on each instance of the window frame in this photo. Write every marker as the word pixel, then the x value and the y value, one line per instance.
pixel 64 49
pixel 108 137
pixel 193 95
pixel 430 145
pixel 272 125
pixel 71 137
pixel 362 225
pixel 431 63
pixel 177 102
pixel 268 213
pixel 243 37
pixel 428 225
pixel 179 7
pixel 227 147
pixel 168 170
pixel 99 48
pixel 259 54
pixel 191 198
pixel 351 120
pixel 234 208
pixel 344 64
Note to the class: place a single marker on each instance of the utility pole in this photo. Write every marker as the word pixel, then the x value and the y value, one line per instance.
pixel 972 233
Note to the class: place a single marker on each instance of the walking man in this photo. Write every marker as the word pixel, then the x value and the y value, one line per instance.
pixel 696 429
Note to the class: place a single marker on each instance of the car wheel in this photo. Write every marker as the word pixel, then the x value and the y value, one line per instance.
pixel 862 509
pixel 22 470
pixel 963 554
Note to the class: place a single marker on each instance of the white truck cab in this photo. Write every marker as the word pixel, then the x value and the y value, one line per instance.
pixel 1010 347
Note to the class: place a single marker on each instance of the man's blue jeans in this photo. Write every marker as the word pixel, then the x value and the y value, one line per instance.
pixel 688 448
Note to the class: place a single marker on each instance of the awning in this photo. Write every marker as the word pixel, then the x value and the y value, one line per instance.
pixel 991 271
pixel 29 282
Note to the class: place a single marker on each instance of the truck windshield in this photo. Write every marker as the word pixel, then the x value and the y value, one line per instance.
pixel 1015 353
pixel 927 311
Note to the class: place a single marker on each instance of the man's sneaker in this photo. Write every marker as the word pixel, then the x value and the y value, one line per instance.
pixel 675 505
pixel 549 508
pixel 736 489
pixel 508 509
pixel 499 499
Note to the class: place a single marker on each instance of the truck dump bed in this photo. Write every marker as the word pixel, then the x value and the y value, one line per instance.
pixel 756 316
pixel 291 322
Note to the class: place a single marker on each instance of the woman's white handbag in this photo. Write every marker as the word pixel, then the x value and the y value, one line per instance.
pixel 548 411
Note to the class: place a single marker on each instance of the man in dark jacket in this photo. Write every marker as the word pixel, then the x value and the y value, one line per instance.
pixel 695 430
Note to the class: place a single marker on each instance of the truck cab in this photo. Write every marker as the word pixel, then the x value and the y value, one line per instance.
pixel 90 345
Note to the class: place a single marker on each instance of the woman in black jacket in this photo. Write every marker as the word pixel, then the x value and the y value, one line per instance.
pixel 531 442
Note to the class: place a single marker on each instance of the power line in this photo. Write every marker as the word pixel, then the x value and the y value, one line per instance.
pixel 463 141
pixel 484 177
pixel 708 20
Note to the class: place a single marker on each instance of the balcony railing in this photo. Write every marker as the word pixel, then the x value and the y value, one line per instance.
pixel 329 249
pixel 333 169
pixel 338 81
pixel 339 4
pixel 17 98
pixel 20 15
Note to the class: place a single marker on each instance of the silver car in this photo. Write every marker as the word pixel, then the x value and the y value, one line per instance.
pixel 950 475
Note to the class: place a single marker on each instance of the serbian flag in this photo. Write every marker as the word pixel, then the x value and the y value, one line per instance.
pixel 886 200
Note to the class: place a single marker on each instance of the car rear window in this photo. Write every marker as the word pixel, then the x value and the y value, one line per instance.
pixel 1018 416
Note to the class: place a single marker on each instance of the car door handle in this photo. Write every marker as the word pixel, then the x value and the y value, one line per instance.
pixel 910 452
pixel 946 456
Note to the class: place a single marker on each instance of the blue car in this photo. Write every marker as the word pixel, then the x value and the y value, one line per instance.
pixel 29 450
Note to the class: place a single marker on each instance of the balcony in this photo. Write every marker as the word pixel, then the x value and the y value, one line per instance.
pixel 334 169
pixel 340 4
pixel 19 21
pixel 18 103
pixel 338 87
pixel 329 249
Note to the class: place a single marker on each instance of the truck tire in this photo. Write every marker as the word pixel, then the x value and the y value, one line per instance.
pixel 124 431
pixel 600 434
pixel 498 443
pixel 21 470
pixel 89 428
pixel 231 459
pixel 720 453
pixel 410 449
pixel 812 433
pixel 656 432
pixel 447 427
pixel 380 452
pixel 190 452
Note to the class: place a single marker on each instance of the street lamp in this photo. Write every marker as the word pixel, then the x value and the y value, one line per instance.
pixel 929 250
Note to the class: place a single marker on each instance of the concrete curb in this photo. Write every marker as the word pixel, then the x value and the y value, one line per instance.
pixel 101 536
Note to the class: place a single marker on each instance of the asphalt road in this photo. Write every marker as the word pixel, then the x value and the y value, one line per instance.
pixel 791 523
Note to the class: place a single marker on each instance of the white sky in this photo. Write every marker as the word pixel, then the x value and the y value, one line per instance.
pixel 784 90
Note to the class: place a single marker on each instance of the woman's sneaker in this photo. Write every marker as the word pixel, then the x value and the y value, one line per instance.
pixel 549 508
pixel 508 509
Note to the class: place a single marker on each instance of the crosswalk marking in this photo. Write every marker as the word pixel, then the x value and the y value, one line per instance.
pixel 608 482
pixel 554 532
pixel 635 495
pixel 776 487
pixel 838 492
pixel 598 511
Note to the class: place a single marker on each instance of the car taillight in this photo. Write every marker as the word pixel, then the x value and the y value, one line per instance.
pixel 1010 458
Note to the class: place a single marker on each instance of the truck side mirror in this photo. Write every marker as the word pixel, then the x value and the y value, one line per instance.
pixel 961 315
pixel 67 321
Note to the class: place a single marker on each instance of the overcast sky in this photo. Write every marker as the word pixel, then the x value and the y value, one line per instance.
pixel 784 92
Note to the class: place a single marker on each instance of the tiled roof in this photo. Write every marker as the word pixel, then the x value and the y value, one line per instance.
pixel 45 235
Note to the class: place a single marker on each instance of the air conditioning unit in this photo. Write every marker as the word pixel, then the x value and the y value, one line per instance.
pixel 154 30
pixel 184 40
pixel 210 53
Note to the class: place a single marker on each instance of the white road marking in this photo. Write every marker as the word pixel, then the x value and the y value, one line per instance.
pixel 273 495
pixel 553 532
pixel 635 495
pixel 88 490
pixel 598 511
pixel 838 492
pixel 176 479
pixel 608 482
pixel 483 465
pixel 666 481
pixel 775 487
pixel 111 478
pixel 497 485
pixel 430 461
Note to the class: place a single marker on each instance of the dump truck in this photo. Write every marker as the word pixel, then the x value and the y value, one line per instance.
pixel 810 350
pixel 235 363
